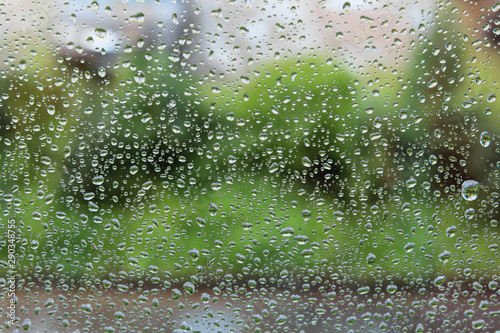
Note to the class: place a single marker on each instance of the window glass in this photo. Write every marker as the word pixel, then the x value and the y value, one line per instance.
pixel 260 166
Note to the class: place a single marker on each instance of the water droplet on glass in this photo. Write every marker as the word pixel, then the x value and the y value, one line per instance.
pixel 98 180
pixel 432 83
pixel 87 308
pixel 175 19
pixel 194 254
pixel 338 215
pixel 26 324
pixel 363 290
pixel 433 159
pixel 263 136
pixel 281 319
pixel 438 281
pixel 138 18
pixel 216 186
pixel 212 209
pixel 451 231
pixel 101 71
pixel 485 139
pixel 100 32
pixel 371 258
pixel 409 247
pixel 306 214
pixel 201 221
pixel 410 183
pixel 133 169
pixel 444 256
pixel 140 77
pixel 273 167
pixel 469 213
pixel 306 162
pixel 301 239
pixel 51 109
pixel 34 244
pixel 392 288
pixel 470 190
pixel 287 232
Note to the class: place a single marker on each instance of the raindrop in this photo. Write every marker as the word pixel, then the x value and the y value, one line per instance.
pixel 98 180
pixel 189 288
pixel 469 213
pixel 101 71
pixel 48 303
pixel 273 167
pixel 212 209
pixel 470 190
pixel 175 19
pixel 281 319
pixel 439 281
pixel 287 232
pixel 338 215
pixel 140 77
pixel 26 324
pixel 138 18
pixel 100 32
pixel 485 139
pixel 301 239
pixel 363 290
pixel 133 169
pixel 432 83
pixel 306 214
pixel 216 186
pixel 263 136
pixel 87 308
pixel 371 258
pixel 409 247
pixel 51 109
pixel 444 256
pixel 392 288
pixel 410 183
pixel 194 254
pixel 451 231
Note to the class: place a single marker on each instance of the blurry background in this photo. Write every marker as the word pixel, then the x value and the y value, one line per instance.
pixel 308 147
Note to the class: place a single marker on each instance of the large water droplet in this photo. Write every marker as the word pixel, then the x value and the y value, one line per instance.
pixel 51 109
pixel 100 32
pixel 485 139
pixel 140 77
pixel 138 18
pixel 287 232
pixel 470 190
pixel 273 167
pixel 444 256
pixel 212 209
pixel 98 180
